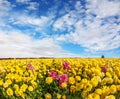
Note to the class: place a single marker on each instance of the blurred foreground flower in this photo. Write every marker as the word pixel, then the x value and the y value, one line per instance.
pixel 30 66
pixel 66 66
pixel 104 68
pixel 48 96
pixel 54 75
pixel 63 78
pixel 9 92
pixel 49 80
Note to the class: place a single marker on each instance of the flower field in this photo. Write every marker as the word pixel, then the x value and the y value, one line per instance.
pixel 60 78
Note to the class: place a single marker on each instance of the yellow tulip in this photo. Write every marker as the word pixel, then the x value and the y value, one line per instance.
pixel 30 88
pixel 58 96
pixel 9 92
pixel 63 85
pixel 48 96
pixel 49 80
pixel 71 80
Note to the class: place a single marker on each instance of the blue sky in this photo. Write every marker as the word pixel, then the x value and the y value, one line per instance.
pixel 59 28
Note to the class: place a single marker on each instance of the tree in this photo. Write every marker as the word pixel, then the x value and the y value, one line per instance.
pixel 102 56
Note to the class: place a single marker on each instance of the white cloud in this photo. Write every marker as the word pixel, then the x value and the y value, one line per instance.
pixel 33 25
pixel 5 9
pixel 33 6
pixel 66 22
pixel 23 1
pixel 28 5
pixel 89 31
pixel 95 37
pixel 26 20
pixel 5 6
pixel 15 44
pixel 78 6
pixel 103 8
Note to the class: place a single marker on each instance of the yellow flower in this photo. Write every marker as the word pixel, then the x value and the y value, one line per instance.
pixel 23 96
pixel 105 90
pixel 30 88
pixel 49 80
pixel 97 97
pixel 34 84
pixel 9 81
pixel 71 80
pixel 97 72
pixel 48 96
pixel 110 80
pixel 89 96
pixel 110 97
pixel 113 89
pixel 1 82
pixel 64 97
pixel 79 86
pixel 63 85
pixel 108 74
pixel 84 93
pixel 115 78
pixel 17 92
pixel 94 96
pixel 77 78
pixel 16 86
pixel 98 91
pixel 84 81
pixel 58 96
pixel 88 87
pixel 118 87
pixel 40 75
pixel 72 88
pixel 9 92
pixel 23 87
pixel 5 85
pixel 73 71
pixel 94 81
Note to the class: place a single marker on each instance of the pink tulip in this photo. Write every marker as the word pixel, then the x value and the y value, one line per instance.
pixel 54 75
pixel 104 68
pixel 30 66
pixel 66 66
pixel 63 78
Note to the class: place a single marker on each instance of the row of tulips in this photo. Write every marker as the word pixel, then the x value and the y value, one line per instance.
pixel 60 78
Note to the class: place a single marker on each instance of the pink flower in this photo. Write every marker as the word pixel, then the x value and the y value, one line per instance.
pixel 63 78
pixel 54 75
pixel 30 66
pixel 104 68
pixel 66 66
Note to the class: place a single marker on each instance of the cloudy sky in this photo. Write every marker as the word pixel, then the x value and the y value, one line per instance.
pixel 59 28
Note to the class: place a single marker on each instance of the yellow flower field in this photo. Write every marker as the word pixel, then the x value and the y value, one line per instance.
pixel 60 78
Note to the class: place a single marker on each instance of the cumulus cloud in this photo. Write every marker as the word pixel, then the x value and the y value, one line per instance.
pixel 33 6
pixel 67 21
pixel 32 25
pixel 95 33
pixel 103 8
pixel 15 44
pixel 5 6
pixel 5 9
pixel 25 20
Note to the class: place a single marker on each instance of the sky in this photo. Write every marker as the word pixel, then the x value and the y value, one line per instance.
pixel 59 28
